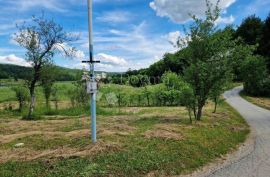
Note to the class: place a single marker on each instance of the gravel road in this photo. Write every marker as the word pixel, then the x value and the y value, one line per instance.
pixel 257 163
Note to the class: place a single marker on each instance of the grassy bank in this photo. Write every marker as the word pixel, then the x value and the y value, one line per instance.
pixel 263 102
pixel 157 141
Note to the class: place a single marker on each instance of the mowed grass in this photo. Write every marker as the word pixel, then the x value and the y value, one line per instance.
pixel 263 102
pixel 157 141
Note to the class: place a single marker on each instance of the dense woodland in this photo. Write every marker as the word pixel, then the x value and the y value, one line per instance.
pixel 19 72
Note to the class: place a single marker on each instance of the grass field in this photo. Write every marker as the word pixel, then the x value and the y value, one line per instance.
pixel 132 141
pixel 263 102
pixel 140 141
pixel 6 94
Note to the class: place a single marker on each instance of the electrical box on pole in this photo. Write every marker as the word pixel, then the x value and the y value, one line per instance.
pixel 92 87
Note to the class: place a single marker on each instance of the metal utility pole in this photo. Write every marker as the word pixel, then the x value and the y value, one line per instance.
pixel 92 85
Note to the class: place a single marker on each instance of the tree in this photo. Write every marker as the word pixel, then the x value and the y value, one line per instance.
pixel 218 89
pixel 55 98
pixel 48 78
pixel 42 39
pixel 21 95
pixel 264 48
pixel 188 100
pixel 147 93
pixel 207 50
pixel 256 78
pixel 250 30
pixel 170 80
pixel 238 56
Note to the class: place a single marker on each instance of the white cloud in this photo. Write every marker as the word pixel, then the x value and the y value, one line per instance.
pixel 225 20
pixel 173 37
pixel 138 45
pixel 24 5
pixel 14 60
pixel 8 27
pixel 114 17
pixel 111 60
pixel 108 63
pixel 65 50
pixel 178 10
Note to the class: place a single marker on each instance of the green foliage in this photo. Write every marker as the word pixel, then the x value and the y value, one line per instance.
pixel 238 55
pixel 21 72
pixel 14 71
pixel 250 30
pixel 264 48
pixel 55 97
pixel 22 96
pixel 207 51
pixel 48 78
pixel 139 80
pixel 256 78
pixel 79 95
pixel 171 80
pixel 187 98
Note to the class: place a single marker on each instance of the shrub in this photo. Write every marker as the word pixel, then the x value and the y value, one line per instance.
pixel 22 96
pixel 255 76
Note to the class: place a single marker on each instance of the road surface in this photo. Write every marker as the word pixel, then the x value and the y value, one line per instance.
pixel 257 163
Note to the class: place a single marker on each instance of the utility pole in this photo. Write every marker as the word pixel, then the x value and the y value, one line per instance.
pixel 92 85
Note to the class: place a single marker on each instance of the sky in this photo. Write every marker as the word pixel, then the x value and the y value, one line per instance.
pixel 127 33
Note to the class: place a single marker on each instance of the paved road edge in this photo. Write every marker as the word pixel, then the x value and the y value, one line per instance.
pixel 242 151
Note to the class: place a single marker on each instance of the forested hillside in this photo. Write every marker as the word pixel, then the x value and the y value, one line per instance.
pixel 20 72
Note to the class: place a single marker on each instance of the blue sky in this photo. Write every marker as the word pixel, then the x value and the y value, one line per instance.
pixel 127 33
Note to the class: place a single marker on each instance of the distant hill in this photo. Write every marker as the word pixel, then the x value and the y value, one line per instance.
pixel 21 72
pixel 63 74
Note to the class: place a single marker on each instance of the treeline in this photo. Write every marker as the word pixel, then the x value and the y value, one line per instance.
pixel 251 62
pixel 19 72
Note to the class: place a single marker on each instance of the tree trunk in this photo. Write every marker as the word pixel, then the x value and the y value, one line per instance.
pixel 20 106
pixel 33 98
pixel 32 104
pixel 189 113
pixel 56 104
pixel 199 113
pixel 47 103
pixel 215 109
pixel 195 112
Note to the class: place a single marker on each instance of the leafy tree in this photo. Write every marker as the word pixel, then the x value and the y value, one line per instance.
pixel 218 89
pixel 187 98
pixel 22 96
pixel 256 78
pixel 207 50
pixel 79 95
pixel 55 98
pixel 250 30
pixel 264 47
pixel 41 38
pixel 156 69
pixel 170 80
pixel 139 80
pixel 238 55
pixel 147 94
pixel 48 78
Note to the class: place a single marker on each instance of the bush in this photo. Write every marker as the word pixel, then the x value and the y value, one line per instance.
pixel 22 96
pixel 255 76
